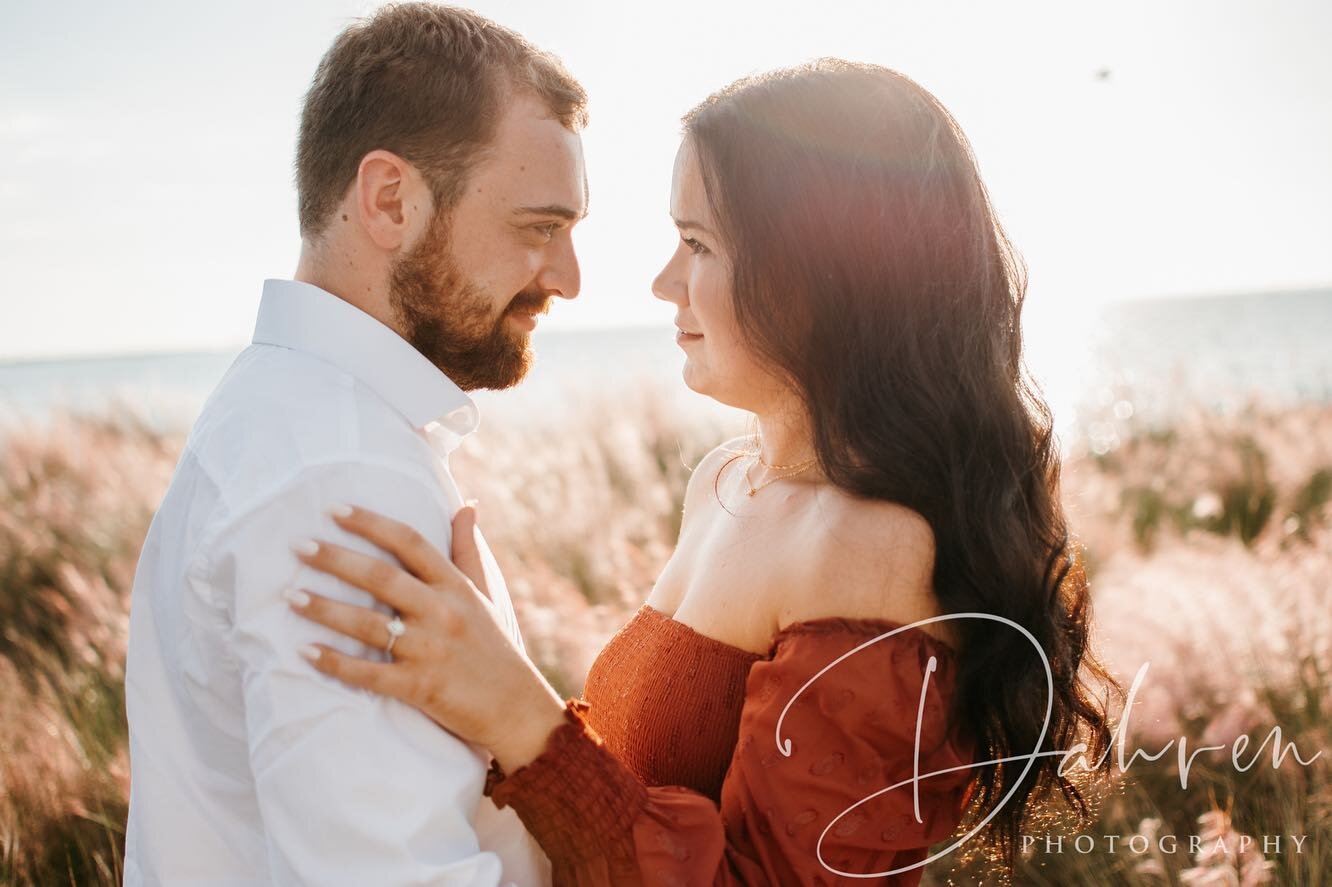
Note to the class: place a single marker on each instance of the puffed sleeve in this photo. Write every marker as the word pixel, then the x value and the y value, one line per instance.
pixel 852 733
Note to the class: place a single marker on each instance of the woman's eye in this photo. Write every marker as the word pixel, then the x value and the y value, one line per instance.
pixel 694 246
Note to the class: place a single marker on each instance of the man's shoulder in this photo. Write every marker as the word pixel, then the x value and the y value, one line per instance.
pixel 279 411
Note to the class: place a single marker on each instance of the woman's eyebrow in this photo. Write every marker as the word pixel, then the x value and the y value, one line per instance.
pixel 682 223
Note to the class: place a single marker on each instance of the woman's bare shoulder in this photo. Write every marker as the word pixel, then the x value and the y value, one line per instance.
pixel 886 533
pixel 705 473
pixel 865 559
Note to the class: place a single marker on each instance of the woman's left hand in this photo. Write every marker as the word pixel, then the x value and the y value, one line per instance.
pixel 454 662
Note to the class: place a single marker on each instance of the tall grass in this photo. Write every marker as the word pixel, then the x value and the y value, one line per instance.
pixel 1208 545
pixel 75 501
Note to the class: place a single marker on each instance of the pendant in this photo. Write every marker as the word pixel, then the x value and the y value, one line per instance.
pixel 751 492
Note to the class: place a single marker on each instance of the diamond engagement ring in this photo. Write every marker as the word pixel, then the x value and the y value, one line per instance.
pixel 396 629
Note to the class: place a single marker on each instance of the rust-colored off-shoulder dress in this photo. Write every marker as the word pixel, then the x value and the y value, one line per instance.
pixel 668 770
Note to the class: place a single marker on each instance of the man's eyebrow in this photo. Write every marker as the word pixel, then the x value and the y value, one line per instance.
pixel 684 223
pixel 558 210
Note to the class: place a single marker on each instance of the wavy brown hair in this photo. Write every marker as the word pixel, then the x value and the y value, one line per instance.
pixel 870 271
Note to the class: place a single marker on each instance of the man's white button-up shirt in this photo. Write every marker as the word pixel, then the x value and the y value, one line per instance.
pixel 248 766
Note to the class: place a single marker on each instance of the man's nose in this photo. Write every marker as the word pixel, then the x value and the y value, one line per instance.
pixel 561 275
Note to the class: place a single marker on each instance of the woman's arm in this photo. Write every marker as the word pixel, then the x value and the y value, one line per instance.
pixel 787 814
pixel 804 818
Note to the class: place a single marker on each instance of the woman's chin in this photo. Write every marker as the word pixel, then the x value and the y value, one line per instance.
pixel 705 384
pixel 695 380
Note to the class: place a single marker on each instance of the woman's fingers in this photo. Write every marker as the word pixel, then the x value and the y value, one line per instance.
pixel 466 554
pixel 370 627
pixel 384 678
pixel 422 559
pixel 387 582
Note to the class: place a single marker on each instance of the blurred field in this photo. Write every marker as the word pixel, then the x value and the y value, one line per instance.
pixel 1209 547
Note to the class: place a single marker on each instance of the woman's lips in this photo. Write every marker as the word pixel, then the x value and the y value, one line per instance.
pixel 682 337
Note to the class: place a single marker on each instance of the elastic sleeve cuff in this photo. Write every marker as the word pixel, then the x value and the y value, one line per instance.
pixel 576 796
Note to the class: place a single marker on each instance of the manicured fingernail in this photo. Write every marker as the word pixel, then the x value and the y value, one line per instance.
pixel 307 547
pixel 296 597
pixel 310 652
pixel 341 511
pixel 471 503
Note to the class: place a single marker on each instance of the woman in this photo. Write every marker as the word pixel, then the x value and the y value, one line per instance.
pixel 841 275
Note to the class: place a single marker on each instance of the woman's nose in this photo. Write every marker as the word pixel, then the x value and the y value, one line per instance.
pixel 669 285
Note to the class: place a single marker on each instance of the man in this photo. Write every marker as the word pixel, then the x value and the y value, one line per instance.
pixel 439 172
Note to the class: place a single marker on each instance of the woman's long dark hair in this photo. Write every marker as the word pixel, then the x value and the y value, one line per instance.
pixel 870 270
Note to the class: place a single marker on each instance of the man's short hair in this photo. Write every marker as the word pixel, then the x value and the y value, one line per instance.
pixel 423 81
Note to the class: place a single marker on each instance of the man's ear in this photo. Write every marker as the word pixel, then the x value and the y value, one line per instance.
pixel 388 199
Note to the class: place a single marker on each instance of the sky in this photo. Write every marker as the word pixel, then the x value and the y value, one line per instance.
pixel 146 148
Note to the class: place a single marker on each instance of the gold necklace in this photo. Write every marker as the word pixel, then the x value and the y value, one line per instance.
pixel 758 451
pixel 797 469
pixel 765 464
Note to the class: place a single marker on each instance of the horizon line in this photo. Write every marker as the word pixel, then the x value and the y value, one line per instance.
pixel 198 350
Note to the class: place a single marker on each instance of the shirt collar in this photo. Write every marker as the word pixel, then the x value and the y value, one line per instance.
pixel 303 317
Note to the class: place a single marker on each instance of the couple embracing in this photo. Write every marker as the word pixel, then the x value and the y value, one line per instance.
pixel 326 683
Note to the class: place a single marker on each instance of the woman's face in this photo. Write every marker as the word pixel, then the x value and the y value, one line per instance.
pixel 697 281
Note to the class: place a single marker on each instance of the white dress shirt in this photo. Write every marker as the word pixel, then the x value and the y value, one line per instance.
pixel 248 766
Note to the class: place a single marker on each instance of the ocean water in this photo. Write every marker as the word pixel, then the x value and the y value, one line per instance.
pixel 1218 348
pixel 1156 356
pixel 168 390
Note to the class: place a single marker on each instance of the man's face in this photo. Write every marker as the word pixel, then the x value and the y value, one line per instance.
pixel 468 292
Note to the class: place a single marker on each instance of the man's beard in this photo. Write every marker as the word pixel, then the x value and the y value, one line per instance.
pixel 449 319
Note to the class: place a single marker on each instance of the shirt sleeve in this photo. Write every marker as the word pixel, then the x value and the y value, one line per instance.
pixel 852 733
pixel 352 788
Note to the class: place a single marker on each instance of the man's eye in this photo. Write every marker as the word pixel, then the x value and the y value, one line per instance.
pixel 547 231
pixel 694 246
